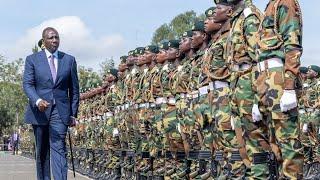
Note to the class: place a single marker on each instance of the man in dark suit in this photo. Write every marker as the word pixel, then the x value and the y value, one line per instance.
pixel 51 84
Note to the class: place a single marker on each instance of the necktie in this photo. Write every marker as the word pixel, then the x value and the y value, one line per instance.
pixel 53 68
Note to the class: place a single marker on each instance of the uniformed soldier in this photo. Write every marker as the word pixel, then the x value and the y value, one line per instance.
pixel 309 120
pixel 145 121
pixel 279 51
pixel 218 76
pixel 41 45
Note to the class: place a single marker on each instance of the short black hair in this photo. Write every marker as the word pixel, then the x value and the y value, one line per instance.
pixel 47 29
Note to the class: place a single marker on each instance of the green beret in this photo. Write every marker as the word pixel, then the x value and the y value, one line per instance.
pixel 164 45
pixel 174 44
pixel 114 72
pixel 123 59
pixel 139 51
pixel 315 68
pixel 227 2
pixel 198 26
pixel 303 70
pixel 187 34
pixel 152 48
pixel 209 12
pixel 130 53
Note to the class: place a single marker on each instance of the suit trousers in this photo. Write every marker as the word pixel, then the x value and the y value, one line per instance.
pixel 50 142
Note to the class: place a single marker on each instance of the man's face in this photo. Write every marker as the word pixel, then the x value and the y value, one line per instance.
pixel 149 56
pixel 221 13
pixel 130 61
pixel 197 39
pixel 122 67
pixel 172 54
pixel 51 40
pixel 110 78
pixel 210 25
pixel 312 74
pixel 120 74
pixel 161 56
pixel 140 60
pixel 185 44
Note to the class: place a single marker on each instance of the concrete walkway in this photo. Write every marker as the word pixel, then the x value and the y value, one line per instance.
pixel 21 168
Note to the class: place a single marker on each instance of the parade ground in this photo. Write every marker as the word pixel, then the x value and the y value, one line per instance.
pixel 21 168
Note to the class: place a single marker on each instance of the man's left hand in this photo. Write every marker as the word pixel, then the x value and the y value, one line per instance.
pixel 73 122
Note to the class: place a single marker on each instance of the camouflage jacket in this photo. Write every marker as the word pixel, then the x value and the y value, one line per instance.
pixel 142 94
pixel 165 75
pixel 216 66
pixel 195 76
pixel 280 36
pixel 241 43
pixel 311 93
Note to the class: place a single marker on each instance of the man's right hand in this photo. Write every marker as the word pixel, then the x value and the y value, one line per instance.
pixel 43 105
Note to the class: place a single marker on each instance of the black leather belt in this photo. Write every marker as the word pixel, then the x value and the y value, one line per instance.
pixel 145 154
pixel 180 155
pixel 193 154
pixel 263 158
pixel 130 153
pixel 219 156
pixel 204 155
pixel 235 156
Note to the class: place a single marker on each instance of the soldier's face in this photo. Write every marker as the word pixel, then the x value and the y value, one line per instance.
pixel 197 39
pixel 130 61
pixel 172 54
pixel 161 56
pixel 122 67
pixel 149 56
pixel 140 60
pixel 120 74
pixel 312 74
pixel 210 25
pixel 185 44
pixel 221 13
pixel 110 78
pixel 51 40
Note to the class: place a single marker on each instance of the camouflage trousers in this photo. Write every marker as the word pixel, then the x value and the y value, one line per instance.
pixel 284 126
pixel 252 137
pixel 203 113
pixel 226 140
pixel 172 138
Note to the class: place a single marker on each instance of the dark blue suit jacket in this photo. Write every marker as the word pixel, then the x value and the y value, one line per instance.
pixel 38 83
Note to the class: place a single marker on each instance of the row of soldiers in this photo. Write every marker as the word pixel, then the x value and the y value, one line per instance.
pixel 219 103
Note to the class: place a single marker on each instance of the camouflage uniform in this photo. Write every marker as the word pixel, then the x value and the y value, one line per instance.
pixel 279 51
pixel 252 137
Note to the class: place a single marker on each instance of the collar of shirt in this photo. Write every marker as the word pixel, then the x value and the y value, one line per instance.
pixel 48 54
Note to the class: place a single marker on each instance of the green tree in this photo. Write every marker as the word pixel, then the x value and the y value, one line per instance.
pixel 105 66
pixel 178 25
pixel 35 49
pixel 12 98
pixel 88 79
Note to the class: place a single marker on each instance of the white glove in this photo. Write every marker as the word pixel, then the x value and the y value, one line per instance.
pixel 115 132
pixel 288 100
pixel 232 122
pixel 305 128
pixel 256 115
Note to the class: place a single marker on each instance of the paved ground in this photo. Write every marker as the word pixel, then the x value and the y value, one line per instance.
pixel 21 168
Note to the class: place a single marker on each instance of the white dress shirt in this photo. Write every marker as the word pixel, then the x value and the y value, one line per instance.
pixel 55 61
